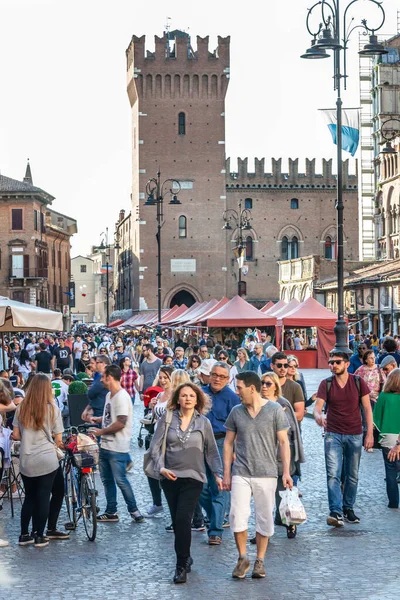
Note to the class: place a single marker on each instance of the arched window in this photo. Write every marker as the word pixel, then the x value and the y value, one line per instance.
pixel 294 203
pixel 294 248
pixel 249 248
pixel 248 203
pixel 285 248
pixel 181 123
pixel 328 248
pixel 182 227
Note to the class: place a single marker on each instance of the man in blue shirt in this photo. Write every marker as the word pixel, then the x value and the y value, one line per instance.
pixel 214 502
pixel 389 348
pixel 356 359
pixel 97 392
pixel 258 362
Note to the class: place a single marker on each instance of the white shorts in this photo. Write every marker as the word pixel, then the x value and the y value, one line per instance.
pixel 263 491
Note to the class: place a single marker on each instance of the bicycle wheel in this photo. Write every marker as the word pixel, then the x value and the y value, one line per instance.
pixel 89 512
pixel 70 497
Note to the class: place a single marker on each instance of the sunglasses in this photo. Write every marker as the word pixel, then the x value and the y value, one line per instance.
pixel 335 362
pixel 266 383
pixel 282 365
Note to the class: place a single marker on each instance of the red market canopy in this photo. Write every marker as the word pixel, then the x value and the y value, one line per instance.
pixel 309 313
pixel 274 309
pixel 175 311
pixel 206 307
pixel 207 312
pixel 115 323
pixel 181 317
pixel 287 309
pixel 239 313
pixel 269 305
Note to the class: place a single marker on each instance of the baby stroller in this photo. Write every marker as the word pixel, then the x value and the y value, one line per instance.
pixel 147 423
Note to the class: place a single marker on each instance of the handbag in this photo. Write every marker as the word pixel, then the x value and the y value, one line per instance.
pixel 149 467
pixel 59 453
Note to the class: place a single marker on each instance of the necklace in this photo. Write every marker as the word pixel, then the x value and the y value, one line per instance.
pixel 183 436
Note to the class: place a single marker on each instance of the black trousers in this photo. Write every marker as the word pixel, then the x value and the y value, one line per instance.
pixel 57 498
pixel 182 496
pixel 37 502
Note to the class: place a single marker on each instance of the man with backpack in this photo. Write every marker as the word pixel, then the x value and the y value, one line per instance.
pixel 343 395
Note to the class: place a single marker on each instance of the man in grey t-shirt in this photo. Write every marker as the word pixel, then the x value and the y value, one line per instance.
pixel 257 425
pixel 149 368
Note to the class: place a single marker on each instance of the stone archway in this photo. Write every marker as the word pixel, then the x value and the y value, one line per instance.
pixel 182 297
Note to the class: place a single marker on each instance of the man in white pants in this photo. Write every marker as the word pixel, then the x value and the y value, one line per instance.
pixel 257 425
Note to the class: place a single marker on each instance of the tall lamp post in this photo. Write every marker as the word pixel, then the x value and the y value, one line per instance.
pixel 328 36
pixel 238 221
pixel 156 192
pixel 106 247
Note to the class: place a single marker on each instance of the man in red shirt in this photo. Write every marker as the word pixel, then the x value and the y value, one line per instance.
pixel 343 435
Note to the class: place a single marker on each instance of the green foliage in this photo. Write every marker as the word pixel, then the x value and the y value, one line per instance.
pixel 81 376
pixel 77 387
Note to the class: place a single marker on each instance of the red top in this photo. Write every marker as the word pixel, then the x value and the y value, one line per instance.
pixel 343 409
pixel 128 379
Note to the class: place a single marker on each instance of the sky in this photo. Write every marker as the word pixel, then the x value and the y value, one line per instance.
pixel 64 105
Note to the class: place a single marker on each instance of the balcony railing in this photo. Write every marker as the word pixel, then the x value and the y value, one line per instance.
pixel 21 273
pixel 297 269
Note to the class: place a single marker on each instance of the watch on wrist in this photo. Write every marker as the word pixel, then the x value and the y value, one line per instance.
pixel 397 442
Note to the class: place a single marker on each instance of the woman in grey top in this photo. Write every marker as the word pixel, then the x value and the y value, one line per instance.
pixel 271 390
pixel 190 443
pixel 37 420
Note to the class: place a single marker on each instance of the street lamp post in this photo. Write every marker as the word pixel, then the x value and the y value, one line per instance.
pixel 241 220
pixel 328 36
pixel 105 247
pixel 156 192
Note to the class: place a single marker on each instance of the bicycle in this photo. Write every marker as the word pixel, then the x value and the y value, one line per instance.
pixel 79 489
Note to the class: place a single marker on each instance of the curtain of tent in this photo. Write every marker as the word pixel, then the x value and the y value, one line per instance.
pixel 325 342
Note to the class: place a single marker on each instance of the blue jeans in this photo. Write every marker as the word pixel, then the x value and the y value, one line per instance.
pixel 113 473
pixel 392 487
pixel 213 501
pixel 342 451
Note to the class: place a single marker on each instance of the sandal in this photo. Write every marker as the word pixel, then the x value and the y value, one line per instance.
pixel 291 531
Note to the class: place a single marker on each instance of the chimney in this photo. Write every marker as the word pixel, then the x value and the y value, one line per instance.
pixel 121 215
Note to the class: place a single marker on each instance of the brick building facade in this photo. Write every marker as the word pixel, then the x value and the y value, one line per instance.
pixel 177 96
pixel 34 245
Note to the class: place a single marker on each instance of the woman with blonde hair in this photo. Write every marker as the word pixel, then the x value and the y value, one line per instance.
pixel 386 417
pixel 37 420
pixel 190 443
pixel 294 374
pixel 271 390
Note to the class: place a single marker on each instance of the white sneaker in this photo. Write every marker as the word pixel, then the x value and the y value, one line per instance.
pixel 154 510
pixel 3 543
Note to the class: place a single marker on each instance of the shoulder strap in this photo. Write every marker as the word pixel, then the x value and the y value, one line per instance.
pixel 357 381
pixel 168 419
pixel 329 381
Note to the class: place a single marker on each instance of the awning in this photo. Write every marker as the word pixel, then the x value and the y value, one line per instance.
pixel 115 323
pixel 239 313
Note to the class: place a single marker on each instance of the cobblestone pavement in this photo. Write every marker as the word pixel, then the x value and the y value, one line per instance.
pixel 127 560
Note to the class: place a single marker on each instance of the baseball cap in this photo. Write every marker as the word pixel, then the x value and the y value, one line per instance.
pixel 119 345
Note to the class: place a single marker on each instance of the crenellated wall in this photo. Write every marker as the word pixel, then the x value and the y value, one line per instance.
pixel 259 178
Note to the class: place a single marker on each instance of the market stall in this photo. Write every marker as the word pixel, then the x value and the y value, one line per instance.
pixel 236 317
pixel 311 314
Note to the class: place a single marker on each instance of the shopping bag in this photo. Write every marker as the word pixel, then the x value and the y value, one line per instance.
pixel 291 508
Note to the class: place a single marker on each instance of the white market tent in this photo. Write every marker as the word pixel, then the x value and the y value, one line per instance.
pixel 18 316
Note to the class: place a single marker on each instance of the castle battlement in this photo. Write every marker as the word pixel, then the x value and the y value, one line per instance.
pixel 291 179
pixel 175 47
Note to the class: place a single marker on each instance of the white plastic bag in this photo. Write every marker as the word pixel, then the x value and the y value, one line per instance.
pixel 291 508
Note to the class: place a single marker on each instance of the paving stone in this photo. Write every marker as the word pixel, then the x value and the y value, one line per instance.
pixel 136 561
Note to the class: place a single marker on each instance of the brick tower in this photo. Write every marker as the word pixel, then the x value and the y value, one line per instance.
pixel 177 97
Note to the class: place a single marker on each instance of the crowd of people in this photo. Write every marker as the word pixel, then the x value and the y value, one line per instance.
pixel 224 425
